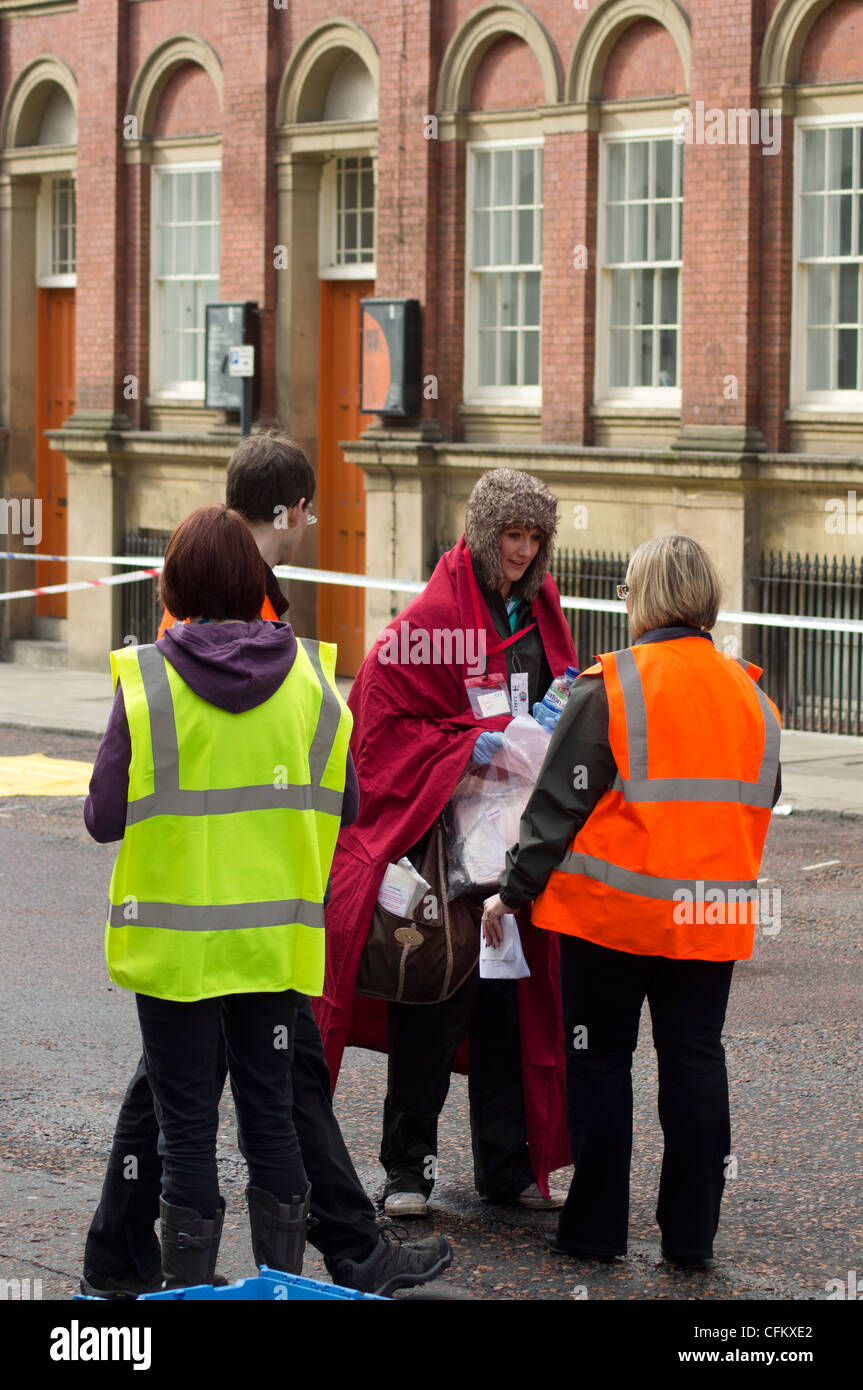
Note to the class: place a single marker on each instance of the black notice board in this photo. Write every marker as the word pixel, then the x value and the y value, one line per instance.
pixel 225 328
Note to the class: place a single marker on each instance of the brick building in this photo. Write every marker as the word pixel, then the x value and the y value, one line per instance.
pixel 635 230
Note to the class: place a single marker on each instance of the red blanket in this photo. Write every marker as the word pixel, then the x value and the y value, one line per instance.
pixel 412 738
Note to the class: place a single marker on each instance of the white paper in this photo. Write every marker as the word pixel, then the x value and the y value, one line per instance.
pixel 506 961
pixel 402 888
pixel 493 702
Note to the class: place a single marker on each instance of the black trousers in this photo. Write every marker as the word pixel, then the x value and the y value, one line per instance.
pixel 121 1242
pixel 602 993
pixel 423 1041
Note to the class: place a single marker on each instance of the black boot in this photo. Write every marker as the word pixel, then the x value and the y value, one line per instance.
pixel 394 1263
pixel 190 1246
pixel 278 1229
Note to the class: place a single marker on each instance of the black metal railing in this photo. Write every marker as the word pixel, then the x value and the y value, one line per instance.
pixel 140 611
pixel 815 678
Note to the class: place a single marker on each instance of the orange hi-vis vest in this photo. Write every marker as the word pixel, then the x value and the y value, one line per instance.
pixel 666 863
pixel 168 620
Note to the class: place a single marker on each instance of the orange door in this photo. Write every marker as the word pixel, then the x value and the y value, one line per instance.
pixel 55 402
pixel 341 500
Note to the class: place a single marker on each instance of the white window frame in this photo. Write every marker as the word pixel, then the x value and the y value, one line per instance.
pixel 635 397
pixel 329 268
pixel 473 393
pixel 192 391
pixel 46 278
pixel 800 397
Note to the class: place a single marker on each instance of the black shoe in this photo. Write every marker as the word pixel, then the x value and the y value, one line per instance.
pixel 106 1286
pixel 687 1261
pixel 190 1246
pixel 395 1263
pixel 279 1229
pixel 575 1251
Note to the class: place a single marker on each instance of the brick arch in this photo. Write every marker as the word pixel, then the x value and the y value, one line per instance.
pixel 187 104
pixel 472 40
pixel 604 27
pixel 508 78
pixel 833 51
pixel 790 26
pixel 643 63
pixel 29 95
pixel 307 77
pixel 158 68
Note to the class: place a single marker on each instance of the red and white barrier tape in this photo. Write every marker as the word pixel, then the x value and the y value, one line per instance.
pixel 393 586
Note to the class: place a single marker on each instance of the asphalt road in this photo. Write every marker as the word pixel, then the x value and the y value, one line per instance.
pixel 791 1216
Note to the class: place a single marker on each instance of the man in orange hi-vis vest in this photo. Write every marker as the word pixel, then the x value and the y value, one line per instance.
pixel 640 847
pixel 271 483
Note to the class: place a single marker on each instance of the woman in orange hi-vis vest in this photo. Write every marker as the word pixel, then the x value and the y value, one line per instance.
pixel 641 846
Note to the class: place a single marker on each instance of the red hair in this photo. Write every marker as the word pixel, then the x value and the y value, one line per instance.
pixel 213 568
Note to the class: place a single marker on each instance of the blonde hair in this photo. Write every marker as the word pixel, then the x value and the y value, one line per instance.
pixel 673 582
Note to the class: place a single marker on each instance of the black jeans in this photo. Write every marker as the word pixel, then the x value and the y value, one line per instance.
pixel 423 1042
pixel 121 1242
pixel 602 993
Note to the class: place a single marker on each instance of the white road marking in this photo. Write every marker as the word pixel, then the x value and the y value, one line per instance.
pixel 825 864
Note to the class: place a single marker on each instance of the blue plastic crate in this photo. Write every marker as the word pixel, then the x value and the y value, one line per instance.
pixel 270 1286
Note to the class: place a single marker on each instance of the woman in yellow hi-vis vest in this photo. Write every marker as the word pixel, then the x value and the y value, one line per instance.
pixel 640 846
pixel 238 744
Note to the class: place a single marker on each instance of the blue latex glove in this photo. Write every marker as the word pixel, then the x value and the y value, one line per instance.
pixel 544 716
pixel 485 748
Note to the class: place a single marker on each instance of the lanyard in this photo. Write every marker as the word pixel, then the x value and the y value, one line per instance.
pixel 474 594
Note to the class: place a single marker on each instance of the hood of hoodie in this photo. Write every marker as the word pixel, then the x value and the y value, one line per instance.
pixel 507 497
pixel 233 665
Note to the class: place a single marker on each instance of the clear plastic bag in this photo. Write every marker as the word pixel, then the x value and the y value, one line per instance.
pixel 485 808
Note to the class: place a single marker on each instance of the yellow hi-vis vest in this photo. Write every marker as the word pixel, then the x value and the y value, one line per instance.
pixel 231 827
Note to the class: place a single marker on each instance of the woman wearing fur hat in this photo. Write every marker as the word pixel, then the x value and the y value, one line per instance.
pixel 414 734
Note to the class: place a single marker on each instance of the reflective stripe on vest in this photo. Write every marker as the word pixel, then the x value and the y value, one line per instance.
pixel 168 799
pixel 647 885
pixel 640 786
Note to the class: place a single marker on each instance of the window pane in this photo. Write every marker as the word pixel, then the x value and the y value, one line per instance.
pixel 205 196
pixel 644 296
pixel 814 163
pixel 367 188
pixel 203 258
pixel 636 249
pixel 848 277
pixel 620 283
pixel 368 230
pixel 525 177
pixel 818 359
pixel 667 357
pixel 616 170
pixel 487 301
pixel 183 192
pixel 820 282
pixel 524 254
pixel 190 357
pixel 813 227
pixel 509 299
pixel 841 147
pixel 350 225
pixel 184 250
pixel 645 357
pixel 482 238
pixel 532 286
pixel 502 237
pixel 668 296
pixel 503 178
pixel 486 363
pixel 531 359
pixel 509 359
pixel 614 234
pixel 662 232
pixel 351 188
pixel 846 376
pixel 482 180
pixel 619 357
pixel 170 357
pixel 638 168
pixel 164 198
pixel 664 168
pixel 839 226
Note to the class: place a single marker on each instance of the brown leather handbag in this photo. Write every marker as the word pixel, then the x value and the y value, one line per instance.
pixel 424 958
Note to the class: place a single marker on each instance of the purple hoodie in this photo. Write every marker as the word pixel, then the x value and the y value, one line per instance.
pixel 235 666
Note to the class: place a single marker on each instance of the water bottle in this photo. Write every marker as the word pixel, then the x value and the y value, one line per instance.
pixel 549 710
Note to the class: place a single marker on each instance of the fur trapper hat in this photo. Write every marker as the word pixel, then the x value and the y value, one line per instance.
pixel 506 497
